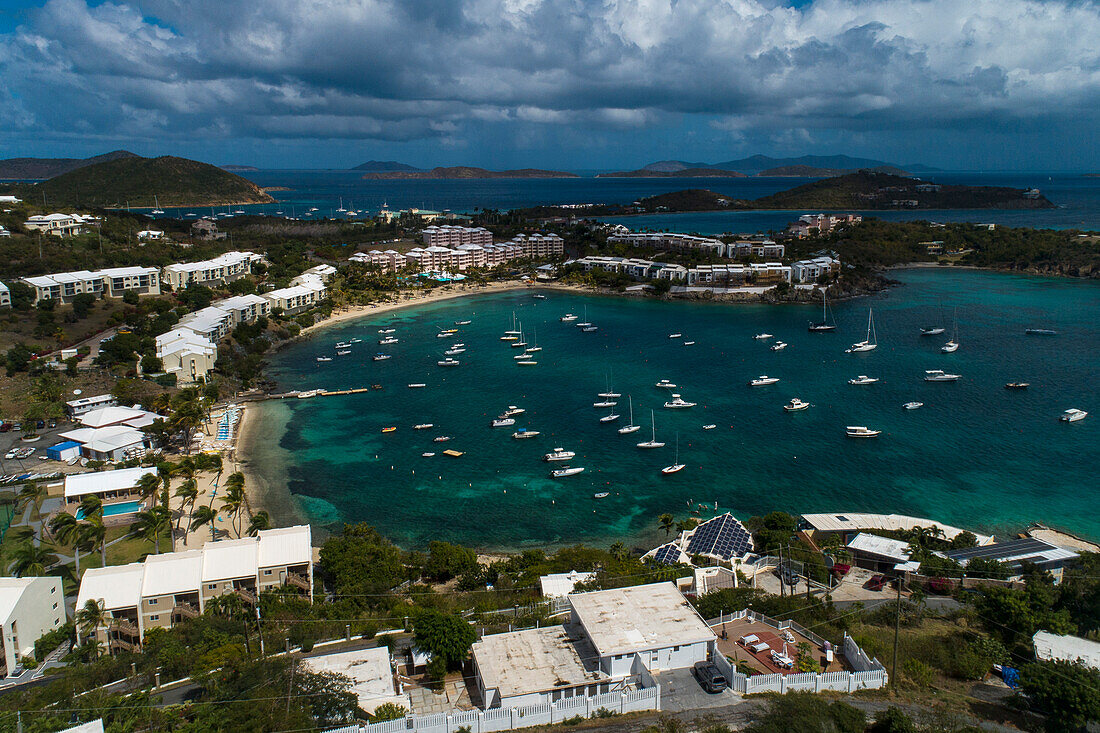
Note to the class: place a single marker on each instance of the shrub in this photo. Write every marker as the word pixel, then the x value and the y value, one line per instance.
pixel 893 720
pixel 575 720
pixel 939 586
pixel 388 711
pixel 920 673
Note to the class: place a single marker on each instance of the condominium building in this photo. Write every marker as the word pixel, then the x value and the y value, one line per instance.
pixel 84 405
pixel 112 282
pixel 168 588
pixel 389 261
pixel 29 609
pixel 187 355
pixel 220 270
pixel 448 235
pixel 539 245
pixel 808 271
pixel 809 224
pixel 725 275
pixel 60 225
pixel 670 241
pixel 303 294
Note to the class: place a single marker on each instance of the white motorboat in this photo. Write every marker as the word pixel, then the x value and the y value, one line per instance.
pixel 589 328
pixel 675 335
pixel 689 343
pixel 604 403
pixel 953 345
pixel 539 296
pixel 711 426
pixel 308 393
pixel 763 380
pixel 356 341
pixel 860 431
pixel 939 375
pixel 423 426
pixel 448 362
pixel 512 411
pixel 463 323
pixel 568 318
pixel 441 438
pixel 913 405
pixel 453 352
pixel 503 422
pixel 567 471
pixel 676 466
pixel 935 331
pixel 1040 332
pixel 342 344
pixel 381 357
pixel 427 454
pixel 601 495
pixel 762 336
pixel 524 355
pixel 652 442
pixel 417 385
pixel 459 345
pixel 679 403
pixel 824 324
pixel 863 379
pixel 387 330
pixel 1073 415
pixel 324 358
pixel 524 433
pixel 527 362
pixel 664 383
pixel 795 405
pixel 343 352
pixel 559 454
pixel 870 343
pixel 630 427
pixel 779 346
pixel 446 333
pixel 609 395
pixel 388 340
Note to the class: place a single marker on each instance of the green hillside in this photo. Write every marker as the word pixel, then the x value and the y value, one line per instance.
pixel 135 181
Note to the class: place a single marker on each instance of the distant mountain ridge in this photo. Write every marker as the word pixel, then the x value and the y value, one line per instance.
pixel 466 172
pixel 31 169
pixel 679 173
pixel 756 164
pixel 384 166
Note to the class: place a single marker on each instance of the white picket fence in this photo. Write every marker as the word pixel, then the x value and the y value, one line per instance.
pixel 494 719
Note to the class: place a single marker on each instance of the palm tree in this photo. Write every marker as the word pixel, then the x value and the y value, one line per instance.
pixel 618 551
pixel 71 531
pixel 95 534
pixel 151 523
pixel 258 523
pixel 164 473
pixel 666 522
pixel 31 493
pixel 89 619
pixel 202 516
pixel 91 506
pixel 148 485
pixel 189 492
pixel 29 559
pixel 233 503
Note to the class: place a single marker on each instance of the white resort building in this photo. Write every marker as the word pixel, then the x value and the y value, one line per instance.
pixel 111 282
pixel 29 608
pixel 60 225
pixel 224 268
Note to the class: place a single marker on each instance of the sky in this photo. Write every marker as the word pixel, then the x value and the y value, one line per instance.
pixel 567 84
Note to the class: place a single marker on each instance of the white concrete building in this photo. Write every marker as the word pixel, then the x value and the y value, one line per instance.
pixel 112 487
pixel 371 672
pixel 5 296
pixel 220 270
pixel 297 298
pixel 536 666
pixel 1050 647
pixel 150 234
pixel 808 271
pixel 29 608
pixel 189 356
pixel 84 405
pixel 111 282
pixel 559 585
pixel 448 235
pixel 172 586
pixel 59 225
pixel 323 272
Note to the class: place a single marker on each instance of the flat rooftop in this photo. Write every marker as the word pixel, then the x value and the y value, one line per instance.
pixel 858 521
pixel 535 660
pixel 370 672
pixel 626 620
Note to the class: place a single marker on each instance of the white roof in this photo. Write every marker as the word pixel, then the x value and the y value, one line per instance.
pixel 111 443
pixel 11 590
pixel 126 271
pixel 559 585
pixel 114 415
pixel 95 726
pixel 240 301
pixel 1050 646
pixel 882 546
pixel 79 484
pixel 856 521
pixel 91 400
pixel 370 672
pixel 229 559
pixel 534 660
pixel 223 260
pixel 285 546
pixel 118 586
pixel 172 572
pixel 625 620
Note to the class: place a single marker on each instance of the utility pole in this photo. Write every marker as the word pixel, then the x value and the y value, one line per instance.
pixel 897 631
pixel 260 631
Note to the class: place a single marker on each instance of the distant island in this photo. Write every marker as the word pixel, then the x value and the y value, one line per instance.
pixel 862 191
pixel 384 166
pixel 465 172
pixel 238 167
pixel 816 166
pixel 36 169
pixel 682 173
pixel 133 181
pixel 809 171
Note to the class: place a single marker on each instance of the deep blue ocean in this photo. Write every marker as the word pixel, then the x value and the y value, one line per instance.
pixel 976 455
pixel 1077 197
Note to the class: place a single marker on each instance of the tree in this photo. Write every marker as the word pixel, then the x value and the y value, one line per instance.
pixel 151 524
pixel 619 551
pixel 666 522
pixel 95 533
pixel 804 712
pixel 186 420
pixel 148 485
pixel 447 636
pixel 388 711
pixel 82 305
pixel 893 720
pixel 201 517
pixel 32 494
pixel 130 297
pixel 91 617
pixel 189 492
pixel 446 561
pixel 234 503
pixel 29 559
pixel 71 531
pixel 1069 693
pixel 258 522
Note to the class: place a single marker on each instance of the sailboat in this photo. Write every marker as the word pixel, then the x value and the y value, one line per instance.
pixel 953 345
pixel 652 442
pixel 630 427
pixel 156 206
pixel 611 415
pixel 871 342
pixel 536 347
pixel 677 466
pixel 512 335
pixel 610 393
pixel 823 325
pixel 932 330
pixel 584 323
pixel 341 209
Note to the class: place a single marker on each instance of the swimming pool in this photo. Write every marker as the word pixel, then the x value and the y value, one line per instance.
pixel 114 510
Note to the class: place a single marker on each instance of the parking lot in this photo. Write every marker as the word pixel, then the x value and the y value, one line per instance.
pixel 680 691
pixel 35 462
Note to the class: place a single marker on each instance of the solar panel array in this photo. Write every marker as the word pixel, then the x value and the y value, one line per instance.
pixel 722 537
pixel 667 554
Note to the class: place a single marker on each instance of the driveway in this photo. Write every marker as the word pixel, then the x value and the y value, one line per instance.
pixel 680 691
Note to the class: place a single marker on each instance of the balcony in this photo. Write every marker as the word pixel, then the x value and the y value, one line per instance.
pixel 118 645
pixel 298 581
pixel 124 626
pixel 246 595
pixel 186 610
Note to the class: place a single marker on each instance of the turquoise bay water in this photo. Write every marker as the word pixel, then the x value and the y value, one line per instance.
pixel 975 455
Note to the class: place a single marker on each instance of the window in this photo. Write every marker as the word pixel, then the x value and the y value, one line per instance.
pixel 267 572
pixel 213 586
pixel 152 601
pixel 154 617
pixel 55 606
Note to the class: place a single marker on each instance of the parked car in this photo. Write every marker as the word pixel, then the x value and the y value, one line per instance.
pixel 5 426
pixel 710 679
pixel 40 425
pixel 877 582
pixel 11 454
pixel 16 426
pixel 53 424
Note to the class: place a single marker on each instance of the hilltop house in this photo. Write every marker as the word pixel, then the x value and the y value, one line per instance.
pixel 59 225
